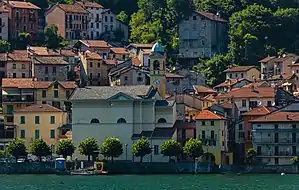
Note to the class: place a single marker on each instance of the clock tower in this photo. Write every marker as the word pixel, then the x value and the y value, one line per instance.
pixel 157 69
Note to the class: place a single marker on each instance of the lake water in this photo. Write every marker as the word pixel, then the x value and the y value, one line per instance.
pixel 150 182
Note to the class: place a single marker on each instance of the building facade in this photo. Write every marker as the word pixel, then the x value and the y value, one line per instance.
pixel 4 23
pixel 18 65
pixel 248 72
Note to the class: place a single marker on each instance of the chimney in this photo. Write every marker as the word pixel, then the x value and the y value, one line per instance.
pixel 287 117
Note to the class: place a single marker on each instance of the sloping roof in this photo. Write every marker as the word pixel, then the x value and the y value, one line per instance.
pixel 263 110
pixel 89 4
pixel 22 5
pixel 263 92
pixel 17 83
pixel 72 8
pixel 267 59
pixel 227 105
pixel 18 55
pixel 208 115
pixel 110 62
pixel 239 69
pixel 210 97
pixel 173 75
pixel 119 50
pixel 142 46
pixel 136 61
pixel 92 55
pixel 39 108
pixel 67 53
pixel 50 60
pixel 230 82
pixel 68 84
pixel 96 43
pixel 38 50
pixel 163 132
pixel 47 84
pixel 203 89
pixel 211 16
pixel 279 116
pixel 146 51
pixel 106 92
pixel 258 84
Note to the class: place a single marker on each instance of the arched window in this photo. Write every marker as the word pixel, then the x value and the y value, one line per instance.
pixel 121 120
pixel 162 120
pixel 156 65
pixel 94 120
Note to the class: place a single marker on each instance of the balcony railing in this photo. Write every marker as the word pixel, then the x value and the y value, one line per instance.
pixel 276 141
pixel 18 100
pixel 278 130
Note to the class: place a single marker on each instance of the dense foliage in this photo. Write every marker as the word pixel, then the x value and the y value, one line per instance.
pixel 88 147
pixel 193 148
pixel 171 148
pixel 39 148
pixel 141 148
pixel 65 148
pixel 16 148
pixel 111 147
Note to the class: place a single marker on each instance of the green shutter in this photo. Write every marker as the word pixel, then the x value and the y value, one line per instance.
pixel 36 134
pixel 36 119
pixel 22 119
pixel 52 134
pixel 52 119
pixel 9 109
pixel 22 134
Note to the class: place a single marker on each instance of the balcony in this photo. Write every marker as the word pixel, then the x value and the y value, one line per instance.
pixel 276 141
pixel 278 130
pixel 18 100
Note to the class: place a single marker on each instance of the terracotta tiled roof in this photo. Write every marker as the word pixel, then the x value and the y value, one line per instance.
pixel 230 82
pixel 47 84
pixel 227 105
pixel 119 50
pixel 110 62
pixel 89 4
pixel 267 59
pixel 279 116
pixel 22 5
pixel 136 61
pixel 258 84
pixel 18 55
pixel 3 10
pixel 263 92
pixel 143 46
pixel 211 16
pixel 263 110
pixel 68 84
pixel 209 97
pixel 39 108
pixel 67 53
pixel 203 89
pixel 188 108
pixel 17 83
pixel 282 76
pixel 147 51
pixel 208 115
pixel 92 55
pixel 38 50
pixel 42 84
pixel 173 75
pixel 3 57
pixel 50 60
pixel 239 69
pixel 96 43
pixel 72 8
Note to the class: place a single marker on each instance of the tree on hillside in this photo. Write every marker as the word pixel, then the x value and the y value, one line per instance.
pixel 111 147
pixel 53 40
pixel 171 148
pixel 39 148
pixel 16 148
pixel 4 46
pixel 193 148
pixel 141 148
pixel 122 16
pixel 88 147
pixel 65 148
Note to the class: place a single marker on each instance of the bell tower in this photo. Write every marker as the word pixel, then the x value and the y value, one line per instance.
pixel 157 69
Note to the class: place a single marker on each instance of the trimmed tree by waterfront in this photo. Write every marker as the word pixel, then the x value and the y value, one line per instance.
pixel 250 156
pixel 16 148
pixel 65 148
pixel 88 147
pixel 111 147
pixel 171 148
pixel 141 148
pixel 39 148
pixel 193 148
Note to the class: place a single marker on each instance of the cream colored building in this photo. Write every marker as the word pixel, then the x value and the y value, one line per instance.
pixel 3 23
pixel 240 72
pixel 18 65
pixel 39 121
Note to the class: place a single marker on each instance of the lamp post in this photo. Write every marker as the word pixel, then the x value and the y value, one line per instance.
pixel 126 151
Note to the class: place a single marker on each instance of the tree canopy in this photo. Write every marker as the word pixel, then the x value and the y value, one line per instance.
pixel 171 148
pixel 141 148
pixel 16 148
pixel 39 148
pixel 88 147
pixel 4 46
pixel 111 147
pixel 65 148
pixel 193 148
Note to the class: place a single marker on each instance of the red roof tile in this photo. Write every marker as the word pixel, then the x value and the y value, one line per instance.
pixel 68 84
pixel 172 75
pixel 263 110
pixel 136 62
pixel 208 115
pixel 22 5
pixel 89 4
pixel 72 8
pixel 92 55
pixel 96 43
pixel 267 59
pixel 230 82
pixel 119 50
pixel 18 55
pixel 17 83
pixel 111 62
pixel 42 84
pixel 262 92
pixel 239 69
pixel 227 105
pixel 39 108
pixel 67 53
pixel 279 116
pixel 211 16
pixel 203 89
pixel 142 46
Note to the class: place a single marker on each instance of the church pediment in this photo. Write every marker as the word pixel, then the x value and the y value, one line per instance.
pixel 121 97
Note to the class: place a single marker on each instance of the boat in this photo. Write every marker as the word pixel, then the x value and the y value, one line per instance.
pixel 98 169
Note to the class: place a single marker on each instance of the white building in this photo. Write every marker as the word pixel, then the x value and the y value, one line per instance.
pixel 3 24
pixel 276 136
pixel 203 34
pixel 127 112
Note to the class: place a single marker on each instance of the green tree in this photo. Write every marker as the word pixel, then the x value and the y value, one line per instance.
pixel 250 156
pixel 4 46
pixel 111 147
pixel 171 148
pixel 141 148
pixel 122 16
pixel 16 148
pixel 193 148
pixel 88 147
pixel 39 148
pixel 65 148
pixel 53 40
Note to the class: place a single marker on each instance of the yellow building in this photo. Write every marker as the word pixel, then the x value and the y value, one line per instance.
pixel 211 128
pixel 39 121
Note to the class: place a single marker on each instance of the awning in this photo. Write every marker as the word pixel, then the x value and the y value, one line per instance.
pixel 11 92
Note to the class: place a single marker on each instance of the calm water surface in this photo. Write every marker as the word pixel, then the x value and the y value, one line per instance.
pixel 149 182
